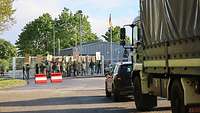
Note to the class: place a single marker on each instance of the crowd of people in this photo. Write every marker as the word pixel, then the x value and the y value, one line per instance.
pixel 70 68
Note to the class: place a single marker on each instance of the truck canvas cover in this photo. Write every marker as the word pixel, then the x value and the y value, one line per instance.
pixel 170 20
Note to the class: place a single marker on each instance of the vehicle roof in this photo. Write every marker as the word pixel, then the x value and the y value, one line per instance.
pixel 122 63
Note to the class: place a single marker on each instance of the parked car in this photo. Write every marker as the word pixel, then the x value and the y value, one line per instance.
pixel 109 79
pixel 122 80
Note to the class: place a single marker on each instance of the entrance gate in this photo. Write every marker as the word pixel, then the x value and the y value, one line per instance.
pixel 18 63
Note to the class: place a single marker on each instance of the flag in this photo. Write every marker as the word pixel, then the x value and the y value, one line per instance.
pixel 110 21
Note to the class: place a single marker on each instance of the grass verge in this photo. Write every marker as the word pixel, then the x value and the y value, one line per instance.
pixel 11 83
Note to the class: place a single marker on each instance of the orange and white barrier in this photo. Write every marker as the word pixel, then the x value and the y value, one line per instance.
pixel 40 78
pixel 56 77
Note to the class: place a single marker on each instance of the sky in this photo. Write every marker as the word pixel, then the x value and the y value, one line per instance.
pixel 122 12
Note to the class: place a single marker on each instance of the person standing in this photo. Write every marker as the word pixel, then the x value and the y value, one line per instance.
pixel 36 69
pixel 48 69
pixel 41 68
pixel 27 71
pixel 23 69
pixel 91 67
pixel 98 67
pixel 69 66
pixel 79 68
pixel 75 68
pixel 83 68
pixel 61 68
pixel 55 67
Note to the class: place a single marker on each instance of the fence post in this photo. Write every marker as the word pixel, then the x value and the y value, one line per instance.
pixel 14 67
pixel 102 65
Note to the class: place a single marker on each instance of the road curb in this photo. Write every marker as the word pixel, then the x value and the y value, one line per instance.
pixel 85 77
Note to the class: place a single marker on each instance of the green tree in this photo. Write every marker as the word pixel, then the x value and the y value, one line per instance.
pixel 115 35
pixel 6 12
pixel 36 37
pixel 4 65
pixel 7 50
pixel 72 28
pixel 65 29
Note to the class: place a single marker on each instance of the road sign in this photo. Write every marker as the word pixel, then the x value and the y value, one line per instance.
pixel 98 55
pixel 49 57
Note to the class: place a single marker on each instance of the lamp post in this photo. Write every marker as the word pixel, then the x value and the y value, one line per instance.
pixel 80 30
pixel 54 44
pixel 58 47
pixel 111 46
pixel 110 29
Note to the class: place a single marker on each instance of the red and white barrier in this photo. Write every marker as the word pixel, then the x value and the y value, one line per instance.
pixel 56 77
pixel 40 78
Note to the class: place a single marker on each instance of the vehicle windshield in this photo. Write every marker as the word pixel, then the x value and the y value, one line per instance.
pixel 126 68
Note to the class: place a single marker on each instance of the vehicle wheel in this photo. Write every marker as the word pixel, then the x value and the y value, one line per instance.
pixel 177 98
pixel 115 95
pixel 143 102
pixel 108 94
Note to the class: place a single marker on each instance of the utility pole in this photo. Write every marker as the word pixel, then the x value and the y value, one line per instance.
pixel 58 47
pixel 81 33
pixel 111 46
pixel 54 44
pixel 81 30
pixel 110 27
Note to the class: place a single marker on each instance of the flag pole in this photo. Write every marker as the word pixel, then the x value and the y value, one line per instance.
pixel 111 45
pixel 110 27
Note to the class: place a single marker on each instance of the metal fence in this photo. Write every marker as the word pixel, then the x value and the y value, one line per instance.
pixel 83 66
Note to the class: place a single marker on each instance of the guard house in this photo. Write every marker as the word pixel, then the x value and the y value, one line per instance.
pixel 91 48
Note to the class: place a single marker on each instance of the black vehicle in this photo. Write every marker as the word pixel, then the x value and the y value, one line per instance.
pixel 122 84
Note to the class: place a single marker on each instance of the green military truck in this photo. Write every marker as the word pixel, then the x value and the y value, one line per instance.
pixel 166 54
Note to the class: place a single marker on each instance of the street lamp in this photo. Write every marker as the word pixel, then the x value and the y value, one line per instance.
pixel 80 29
pixel 111 46
pixel 58 47
pixel 54 44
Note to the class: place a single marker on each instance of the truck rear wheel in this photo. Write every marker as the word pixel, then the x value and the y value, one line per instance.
pixel 143 102
pixel 177 98
pixel 115 94
pixel 116 97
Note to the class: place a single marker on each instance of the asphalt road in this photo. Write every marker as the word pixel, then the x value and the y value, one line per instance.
pixel 74 95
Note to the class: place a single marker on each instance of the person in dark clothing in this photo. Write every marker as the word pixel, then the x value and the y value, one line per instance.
pixel 55 67
pixel 61 68
pixel 83 68
pixel 98 67
pixel 42 67
pixel 23 69
pixel 37 69
pixel 70 66
pixel 48 69
pixel 75 68
pixel 91 65
pixel 27 71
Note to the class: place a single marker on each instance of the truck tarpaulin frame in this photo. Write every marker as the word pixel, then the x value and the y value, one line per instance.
pixel 169 20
